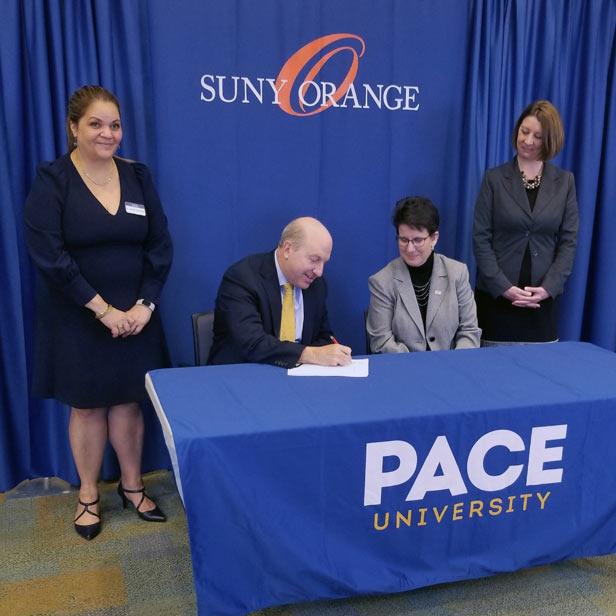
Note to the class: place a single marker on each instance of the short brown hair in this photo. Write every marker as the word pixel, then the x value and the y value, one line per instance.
pixel 551 127
pixel 78 103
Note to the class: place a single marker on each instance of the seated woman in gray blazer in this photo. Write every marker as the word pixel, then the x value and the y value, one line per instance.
pixel 421 301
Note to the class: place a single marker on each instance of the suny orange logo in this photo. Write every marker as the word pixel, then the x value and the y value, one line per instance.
pixel 301 58
pixel 299 90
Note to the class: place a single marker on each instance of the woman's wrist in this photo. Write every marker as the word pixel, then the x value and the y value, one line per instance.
pixel 146 303
pixel 101 315
pixel 97 304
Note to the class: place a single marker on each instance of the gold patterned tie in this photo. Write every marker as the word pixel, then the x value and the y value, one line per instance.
pixel 287 318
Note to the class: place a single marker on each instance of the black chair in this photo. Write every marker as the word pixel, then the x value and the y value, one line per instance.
pixel 203 335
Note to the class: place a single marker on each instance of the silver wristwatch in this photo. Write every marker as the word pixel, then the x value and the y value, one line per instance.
pixel 147 304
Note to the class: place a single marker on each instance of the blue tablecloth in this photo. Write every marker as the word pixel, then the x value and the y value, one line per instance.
pixel 437 467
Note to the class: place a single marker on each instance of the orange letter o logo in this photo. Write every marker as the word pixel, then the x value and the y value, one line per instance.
pixel 293 66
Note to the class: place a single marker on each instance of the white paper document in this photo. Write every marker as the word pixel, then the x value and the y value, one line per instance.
pixel 357 368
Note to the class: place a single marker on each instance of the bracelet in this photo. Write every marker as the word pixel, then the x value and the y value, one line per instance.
pixel 105 312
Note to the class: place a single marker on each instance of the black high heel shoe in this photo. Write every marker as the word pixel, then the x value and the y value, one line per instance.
pixel 154 515
pixel 88 531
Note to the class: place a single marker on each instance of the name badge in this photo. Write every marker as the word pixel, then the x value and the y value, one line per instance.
pixel 134 208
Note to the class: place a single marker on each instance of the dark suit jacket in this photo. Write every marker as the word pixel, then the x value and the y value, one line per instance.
pixel 247 316
pixel 504 225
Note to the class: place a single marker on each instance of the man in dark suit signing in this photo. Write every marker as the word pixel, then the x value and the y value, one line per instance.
pixel 270 307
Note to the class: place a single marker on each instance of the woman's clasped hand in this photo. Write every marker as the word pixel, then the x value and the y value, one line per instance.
pixel 130 323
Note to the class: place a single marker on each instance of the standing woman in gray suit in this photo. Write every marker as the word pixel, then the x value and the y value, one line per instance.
pixel 524 234
pixel 420 301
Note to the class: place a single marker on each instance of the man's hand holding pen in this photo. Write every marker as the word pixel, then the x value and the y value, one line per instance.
pixel 334 354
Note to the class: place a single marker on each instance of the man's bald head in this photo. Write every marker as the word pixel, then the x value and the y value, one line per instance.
pixel 304 247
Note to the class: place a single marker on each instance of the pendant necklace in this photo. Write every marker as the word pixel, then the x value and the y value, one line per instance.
pixel 85 172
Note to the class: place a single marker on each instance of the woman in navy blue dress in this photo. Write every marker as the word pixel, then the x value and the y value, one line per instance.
pixel 97 234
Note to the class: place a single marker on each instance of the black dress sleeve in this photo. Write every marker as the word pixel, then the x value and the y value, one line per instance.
pixel 44 237
pixel 157 248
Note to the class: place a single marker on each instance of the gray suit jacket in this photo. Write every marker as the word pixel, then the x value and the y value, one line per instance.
pixel 394 321
pixel 504 225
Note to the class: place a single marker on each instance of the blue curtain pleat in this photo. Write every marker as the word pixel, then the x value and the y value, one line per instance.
pixel 14 426
pixel 517 51
pixel 599 324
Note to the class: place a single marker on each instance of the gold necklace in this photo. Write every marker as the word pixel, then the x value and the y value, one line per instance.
pixel 85 172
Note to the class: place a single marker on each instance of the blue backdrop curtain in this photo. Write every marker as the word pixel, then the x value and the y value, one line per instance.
pixel 231 175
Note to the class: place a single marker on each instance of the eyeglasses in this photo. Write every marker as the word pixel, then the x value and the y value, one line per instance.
pixel 417 242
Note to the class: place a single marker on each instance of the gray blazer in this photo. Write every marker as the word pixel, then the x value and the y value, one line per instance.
pixel 504 225
pixel 394 321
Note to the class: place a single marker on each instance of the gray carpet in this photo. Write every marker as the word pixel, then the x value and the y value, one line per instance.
pixel 139 569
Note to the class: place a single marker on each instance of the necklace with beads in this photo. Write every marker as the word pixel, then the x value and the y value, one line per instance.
pixel 531 184
pixel 422 292
pixel 534 183
pixel 85 172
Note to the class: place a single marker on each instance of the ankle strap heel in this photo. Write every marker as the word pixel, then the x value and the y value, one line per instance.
pixel 153 515
pixel 88 531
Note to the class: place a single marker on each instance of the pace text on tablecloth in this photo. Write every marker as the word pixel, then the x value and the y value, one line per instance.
pixel 440 472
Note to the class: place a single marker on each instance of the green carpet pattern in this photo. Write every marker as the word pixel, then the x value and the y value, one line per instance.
pixel 134 568
pixel 131 568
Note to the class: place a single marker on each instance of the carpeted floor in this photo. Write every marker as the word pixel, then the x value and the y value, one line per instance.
pixel 131 568
pixel 138 569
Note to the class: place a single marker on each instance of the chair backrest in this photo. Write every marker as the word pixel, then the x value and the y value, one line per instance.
pixel 367 337
pixel 203 335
